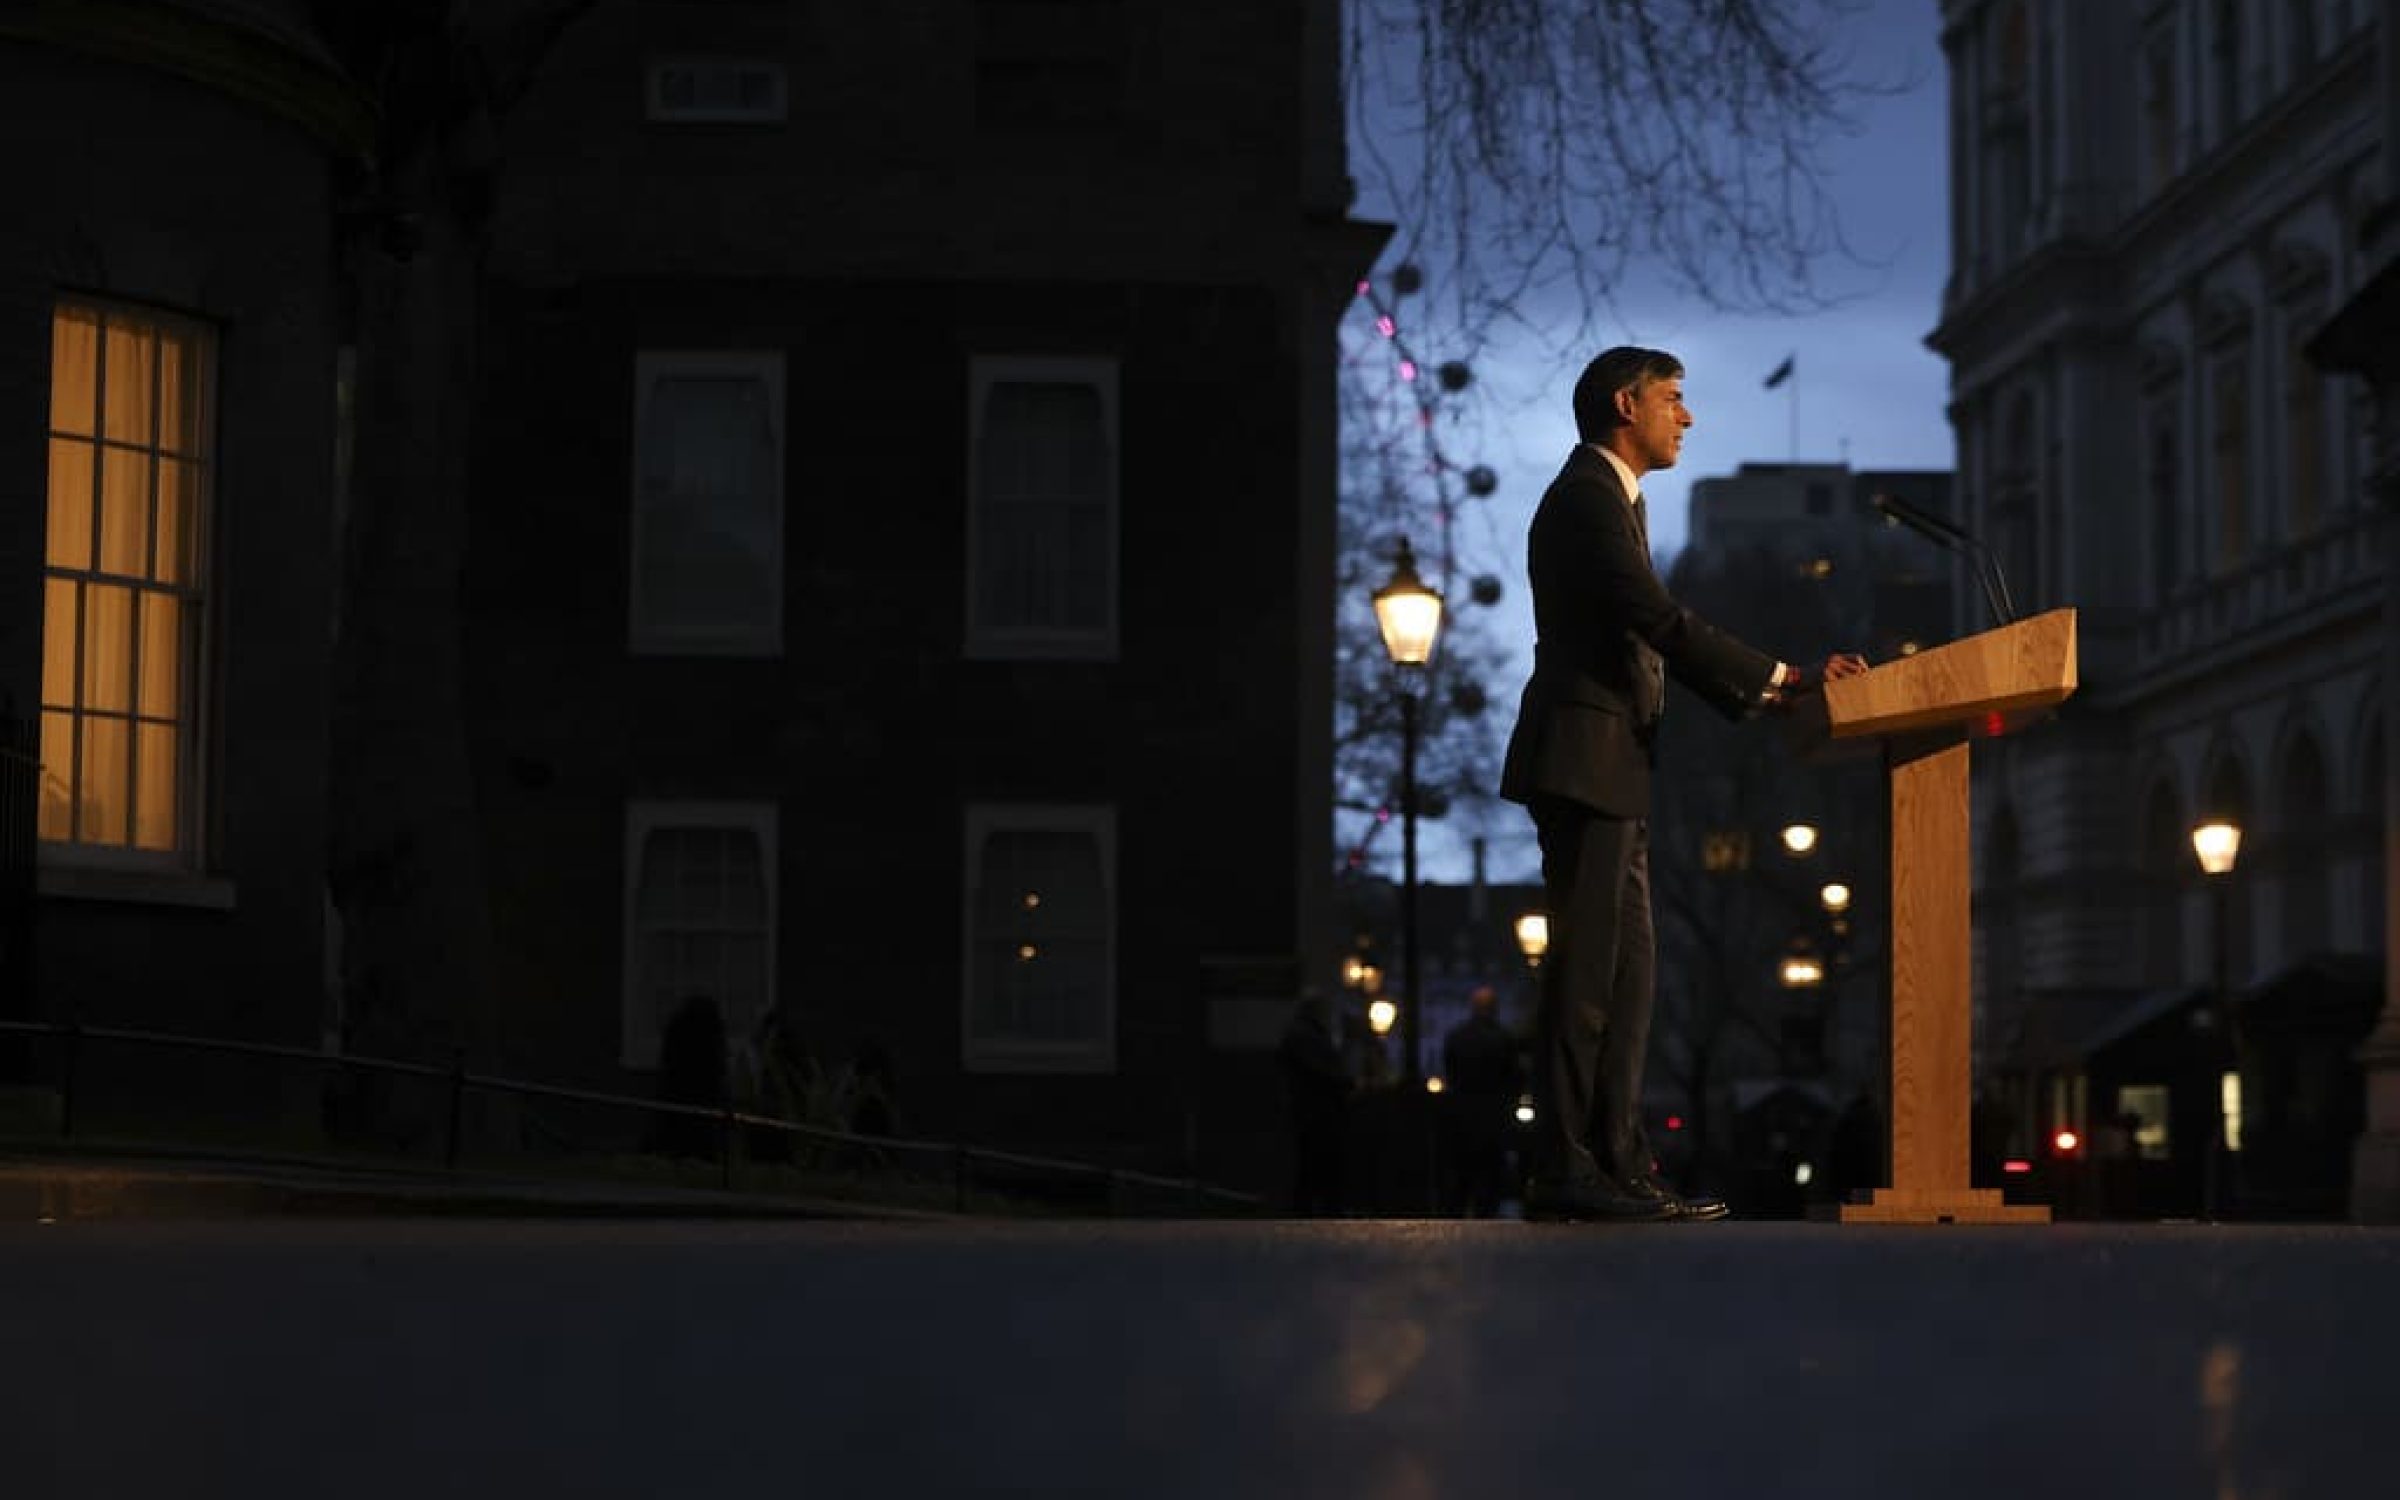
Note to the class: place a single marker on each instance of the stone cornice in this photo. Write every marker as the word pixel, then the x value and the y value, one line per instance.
pixel 286 75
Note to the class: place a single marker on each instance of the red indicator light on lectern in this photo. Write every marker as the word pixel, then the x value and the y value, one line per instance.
pixel 1674 1122
pixel 2016 1166
pixel 1993 724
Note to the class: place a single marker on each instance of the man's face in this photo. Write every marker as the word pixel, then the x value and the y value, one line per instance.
pixel 1655 418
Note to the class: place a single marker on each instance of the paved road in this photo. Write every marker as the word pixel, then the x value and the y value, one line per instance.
pixel 411 1357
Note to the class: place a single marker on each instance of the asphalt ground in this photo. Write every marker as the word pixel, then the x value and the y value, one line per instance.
pixel 408 1355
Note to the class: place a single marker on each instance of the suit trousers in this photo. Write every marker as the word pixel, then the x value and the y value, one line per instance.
pixel 1592 1033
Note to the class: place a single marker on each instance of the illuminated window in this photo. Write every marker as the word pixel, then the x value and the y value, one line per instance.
pixel 707 505
pixel 2145 1106
pixel 124 581
pixel 699 917
pixel 1042 508
pixel 1040 939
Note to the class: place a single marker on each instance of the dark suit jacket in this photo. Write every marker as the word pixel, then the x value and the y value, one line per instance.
pixel 1609 636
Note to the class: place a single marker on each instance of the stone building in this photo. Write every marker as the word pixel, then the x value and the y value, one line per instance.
pixel 2155 209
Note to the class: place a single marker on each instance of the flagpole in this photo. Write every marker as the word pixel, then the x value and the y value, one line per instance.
pixel 1794 382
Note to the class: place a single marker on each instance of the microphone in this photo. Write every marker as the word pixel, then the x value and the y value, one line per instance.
pixel 1952 538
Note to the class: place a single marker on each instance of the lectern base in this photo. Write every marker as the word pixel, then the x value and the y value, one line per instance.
pixel 1960 1206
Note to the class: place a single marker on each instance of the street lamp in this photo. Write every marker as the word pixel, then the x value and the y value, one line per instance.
pixel 1835 897
pixel 2217 844
pixel 1410 616
pixel 1533 936
pixel 1799 838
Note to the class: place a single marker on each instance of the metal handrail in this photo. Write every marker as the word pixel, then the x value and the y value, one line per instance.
pixel 729 1120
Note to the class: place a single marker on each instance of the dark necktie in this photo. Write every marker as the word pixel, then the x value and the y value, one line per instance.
pixel 1641 520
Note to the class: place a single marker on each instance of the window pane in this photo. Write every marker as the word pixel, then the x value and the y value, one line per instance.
pixel 74 369
pixel 1043 520
pixel 69 543
pixel 181 419
pixel 178 522
pixel 154 792
pixel 58 643
pixel 105 782
pixel 162 655
pixel 58 776
pixel 125 512
pixel 707 543
pixel 1041 942
pixel 125 383
pixel 107 648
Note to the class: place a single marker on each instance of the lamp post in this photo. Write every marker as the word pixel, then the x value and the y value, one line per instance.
pixel 2217 844
pixel 1410 616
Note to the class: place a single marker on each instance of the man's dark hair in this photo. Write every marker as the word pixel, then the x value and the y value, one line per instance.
pixel 1623 368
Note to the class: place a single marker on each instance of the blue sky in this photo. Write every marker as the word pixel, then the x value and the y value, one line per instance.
pixel 1867 388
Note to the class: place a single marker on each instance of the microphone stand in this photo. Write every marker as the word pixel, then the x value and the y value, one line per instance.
pixel 1955 539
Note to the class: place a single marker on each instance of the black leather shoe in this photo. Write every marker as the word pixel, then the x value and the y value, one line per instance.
pixel 1594 1203
pixel 1678 1205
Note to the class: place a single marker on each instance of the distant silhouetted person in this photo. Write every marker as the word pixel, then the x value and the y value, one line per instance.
pixel 1482 1079
pixel 691 1070
pixel 873 1107
pixel 1316 1093
pixel 778 1085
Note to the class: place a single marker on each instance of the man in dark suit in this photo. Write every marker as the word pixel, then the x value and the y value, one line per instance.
pixel 1580 761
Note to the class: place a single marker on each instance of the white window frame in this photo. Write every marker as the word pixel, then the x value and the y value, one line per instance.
pixel 655 106
pixel 62 861
pixel 648 637
pixel 642 818
pixel 1028 643
pixel 981 1054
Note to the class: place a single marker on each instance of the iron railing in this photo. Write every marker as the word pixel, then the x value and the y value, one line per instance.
pixel 746 1147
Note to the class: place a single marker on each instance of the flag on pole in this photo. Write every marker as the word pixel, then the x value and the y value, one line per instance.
pixel 1780 373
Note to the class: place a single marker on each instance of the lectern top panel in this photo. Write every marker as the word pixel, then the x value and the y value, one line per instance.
pixel 2027 665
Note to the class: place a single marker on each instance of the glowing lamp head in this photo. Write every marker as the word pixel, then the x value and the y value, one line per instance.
pixel 1380 1016
pixel 1434 1085
pixel 1835 896
pixel 1525 1111
pixel 2217 844
pixel 1800 838
pixel 2066 1142
pixel 1408 613
pixel 1801 971
pixel 1533 935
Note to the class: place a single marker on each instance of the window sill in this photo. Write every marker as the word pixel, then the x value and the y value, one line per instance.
pixel 134 887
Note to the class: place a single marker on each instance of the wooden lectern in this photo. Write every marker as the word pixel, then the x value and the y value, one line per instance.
pixel 1925 709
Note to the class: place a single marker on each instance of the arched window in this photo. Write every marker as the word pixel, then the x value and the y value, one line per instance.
pixel 2007 128
pixel 2300 37
pixel 2166 504
pixel 2303 877
pixel 2162 123
pixel 2230 459
pixel 2013 515
pixel 2225 55
pixel 2304 454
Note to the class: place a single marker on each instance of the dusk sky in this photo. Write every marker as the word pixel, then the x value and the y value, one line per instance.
pixel 1868 389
